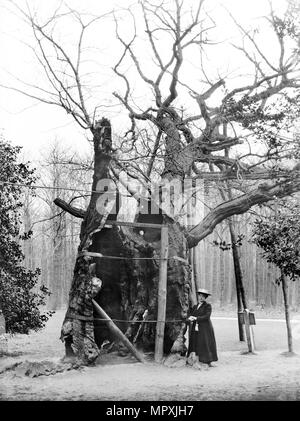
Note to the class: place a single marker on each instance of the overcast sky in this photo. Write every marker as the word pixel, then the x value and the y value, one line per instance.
pixel 33 125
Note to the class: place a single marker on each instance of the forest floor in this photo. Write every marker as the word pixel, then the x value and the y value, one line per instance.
pixel 269 374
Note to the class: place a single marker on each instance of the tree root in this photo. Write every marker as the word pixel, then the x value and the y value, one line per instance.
pixel 40 368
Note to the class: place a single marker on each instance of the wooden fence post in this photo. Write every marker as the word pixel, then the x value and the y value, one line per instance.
pixel 3 338
pixel 162 294
pixel 249 332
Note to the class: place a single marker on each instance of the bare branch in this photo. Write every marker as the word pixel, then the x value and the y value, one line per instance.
pixel 79 213
pixel 263 193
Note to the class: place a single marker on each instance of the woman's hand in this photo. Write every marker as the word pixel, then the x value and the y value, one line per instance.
pixel 192 318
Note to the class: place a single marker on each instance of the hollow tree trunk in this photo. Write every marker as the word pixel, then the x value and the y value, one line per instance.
pixel 78 327
pixel 130 286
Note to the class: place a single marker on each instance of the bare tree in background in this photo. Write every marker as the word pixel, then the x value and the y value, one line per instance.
pixel 176 131
pixel 53 245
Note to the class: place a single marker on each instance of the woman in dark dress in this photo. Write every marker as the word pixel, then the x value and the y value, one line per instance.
pixel 202 338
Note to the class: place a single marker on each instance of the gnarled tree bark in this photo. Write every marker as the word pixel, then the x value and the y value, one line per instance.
pixel 78 325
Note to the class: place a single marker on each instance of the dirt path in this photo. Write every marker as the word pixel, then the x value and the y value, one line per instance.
pixel 266 375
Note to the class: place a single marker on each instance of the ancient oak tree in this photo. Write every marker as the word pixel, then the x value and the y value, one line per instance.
pixel 189 119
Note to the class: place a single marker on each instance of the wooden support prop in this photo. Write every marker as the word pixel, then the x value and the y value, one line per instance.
pixel 117 332
pixel 162 294
pixel 249 331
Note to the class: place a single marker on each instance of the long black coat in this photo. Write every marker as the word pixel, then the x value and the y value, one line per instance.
pixel 202 342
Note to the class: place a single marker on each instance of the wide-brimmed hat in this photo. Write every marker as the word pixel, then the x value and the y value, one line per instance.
pixel 203 291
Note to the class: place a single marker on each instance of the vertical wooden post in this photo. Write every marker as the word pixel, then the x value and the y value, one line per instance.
pixel 249 332
pixel 238 278
pixel 162 294
pixel 3 338
pixel 193 291
pixel 287 312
